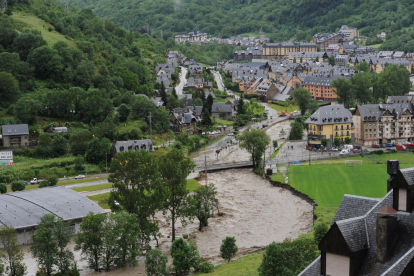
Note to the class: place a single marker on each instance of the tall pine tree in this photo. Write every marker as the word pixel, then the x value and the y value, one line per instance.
pixel 241 109
pixel 210 101
pixel 163 94
pixel 206 120
pixel 174 93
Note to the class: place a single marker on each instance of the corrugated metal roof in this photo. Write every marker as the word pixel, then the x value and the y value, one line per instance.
pixel 24 209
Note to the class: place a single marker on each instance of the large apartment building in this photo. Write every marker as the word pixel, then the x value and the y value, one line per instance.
pixel 282 50
pixel 191 36
pixel 384 123
pixel 330 122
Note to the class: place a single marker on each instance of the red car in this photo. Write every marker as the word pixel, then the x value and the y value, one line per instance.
pixel 375 146
pixel 401 147
pixel 410 146
pixel 356 151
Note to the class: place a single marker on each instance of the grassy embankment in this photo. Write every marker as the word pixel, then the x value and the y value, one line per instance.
pixel 48 31
pixel 289 108
pixel 102 199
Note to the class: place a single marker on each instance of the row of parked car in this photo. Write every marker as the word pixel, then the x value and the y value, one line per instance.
pixel 390 146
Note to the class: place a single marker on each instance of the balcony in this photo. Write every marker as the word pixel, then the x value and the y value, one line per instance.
pixel 381 127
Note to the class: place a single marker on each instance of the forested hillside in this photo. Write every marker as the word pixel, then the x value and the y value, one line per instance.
pixel 281 20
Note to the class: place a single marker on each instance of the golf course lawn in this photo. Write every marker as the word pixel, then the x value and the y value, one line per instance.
pixel 327 184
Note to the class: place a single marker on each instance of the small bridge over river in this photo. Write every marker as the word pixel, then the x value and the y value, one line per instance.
pixel 226 166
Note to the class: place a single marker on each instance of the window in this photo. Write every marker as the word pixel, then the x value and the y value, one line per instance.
pixel 347 133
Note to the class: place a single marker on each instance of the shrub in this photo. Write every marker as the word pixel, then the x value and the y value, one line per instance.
pixel 156 263
pixel 3 188
pixel 18 186
pixel 185 257
pixel 206 267
pixel 228 248
pixel 319 232
pixel 50 181
pixel 378 152
pixel 79 163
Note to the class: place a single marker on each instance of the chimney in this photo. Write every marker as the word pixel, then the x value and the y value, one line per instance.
pixel 393 166
pixel 386 233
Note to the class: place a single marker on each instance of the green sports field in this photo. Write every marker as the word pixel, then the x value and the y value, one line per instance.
pixel 327 184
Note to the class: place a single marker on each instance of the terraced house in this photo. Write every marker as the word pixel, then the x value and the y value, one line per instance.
pixel 282 50
pixel 330 122
pixel 384 123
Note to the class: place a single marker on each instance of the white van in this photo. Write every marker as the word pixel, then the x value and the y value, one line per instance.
pixel 348 147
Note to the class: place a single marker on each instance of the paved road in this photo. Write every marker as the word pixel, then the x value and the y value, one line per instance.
pixel 86 184
pixel 179 87
pixel 219 81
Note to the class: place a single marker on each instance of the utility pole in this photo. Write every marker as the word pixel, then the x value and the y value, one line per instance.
pixel 205 162
pixel 3 5
pixel 150 121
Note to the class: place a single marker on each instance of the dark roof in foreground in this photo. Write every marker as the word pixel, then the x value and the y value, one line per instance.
pixel 331 114
pixel 24 209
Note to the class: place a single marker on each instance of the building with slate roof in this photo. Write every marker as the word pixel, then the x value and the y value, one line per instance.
pixel 15 135
pixel 223 110
pixel 330 122
pixel 371 236
pixel 23 210
pixel 193 36
pixel 134 145
pixel 249 54
pixel 320 85
pixel 384 123
pixel 282 50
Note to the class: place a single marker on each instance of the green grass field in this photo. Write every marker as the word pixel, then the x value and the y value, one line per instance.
pixel 93 188
pixel 33 22
pixel 289 108
pixel 245 266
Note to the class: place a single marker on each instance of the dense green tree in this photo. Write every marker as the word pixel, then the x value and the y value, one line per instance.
pixel 361 84
pixel 296 132
pixel 11 252
pixel 79 141
pixel 185 256
pixel 46 62
pixel 174 168
pixel 332 60
pixel 228 248
pixel 210 101
pixel 9 89
pixel 204 201
pixel 337 142
pixel 84 74
pixel 156 263
pixel 343 88
pixel 98 149
pixel 241 109
pixel 27 41
pixel 90 239
pixel 123 111
pixel 198 102
pixel 255 142
pixel 136 188
pixel 206 119
pixel 90 111
pixel 303 98
pixel 3 188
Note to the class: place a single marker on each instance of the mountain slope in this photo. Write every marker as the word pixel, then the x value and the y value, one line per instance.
pixel 280 19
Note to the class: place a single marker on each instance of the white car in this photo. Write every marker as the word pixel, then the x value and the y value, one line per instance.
pixel 344 152
pixel 230 134
pixel 81 176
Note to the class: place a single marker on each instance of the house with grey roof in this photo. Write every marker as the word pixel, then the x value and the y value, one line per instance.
pixel 223 110
pixel 15 135
pixel 134 145
pixel 371 236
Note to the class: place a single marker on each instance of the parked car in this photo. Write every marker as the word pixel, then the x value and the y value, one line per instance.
pixel 81 176
pixel 350 147
pixel 366 150
pixel 356 151
pixel 357 147
pixel 401 147
pixel 25 182
pixel 344 152
pixel 375 146
pixel 410 145
pixel 334 149
pixel 389 145
pixel 36 181
pixel 389 148
pixel 230 134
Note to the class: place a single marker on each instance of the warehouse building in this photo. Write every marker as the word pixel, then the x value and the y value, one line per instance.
pixel 23 210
